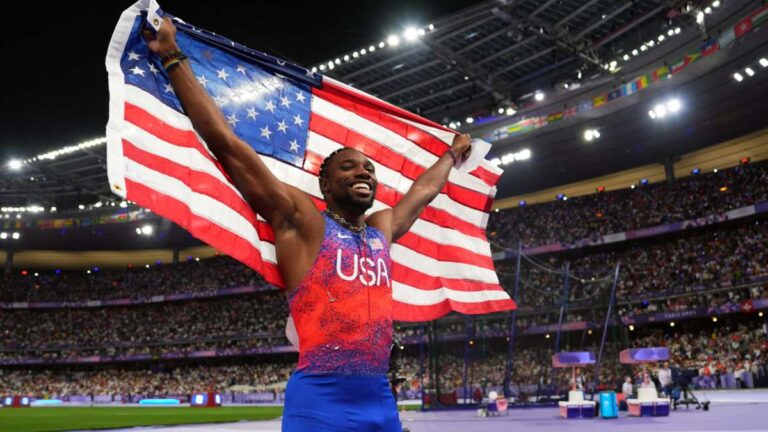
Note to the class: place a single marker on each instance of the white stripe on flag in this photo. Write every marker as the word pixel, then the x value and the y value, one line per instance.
pixel 407 294
pixel 432 267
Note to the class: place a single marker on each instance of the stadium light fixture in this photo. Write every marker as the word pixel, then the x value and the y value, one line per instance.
pixel 674 105
pixel 539 96
pixel 123 204
pixel 670 32
pixel 411 34
pixel 355 54
pixel 381 44
pixel 738 77
pixel 510 111
pixel 337 61
pixel 588 136
pixel 626 57
pixel 671 323
pixel 393 40
pixel 363 51
pixel 15 236
pixel 660 110
pixel 469 120
pixel 749 71
pixel 3 235
pixel 714 319
pixel 643 47
pixel 81 207
pixel 631 327
pixel 635 52
pixel 431 27
pixel 716 4
pixel 14 164
pixel 147 230
pixel 763 62
pixel 501 110
pixel 700 17
pixel 707 10
pixel 678 30
pixel 651 43
pixel 322 67
pixel 371 48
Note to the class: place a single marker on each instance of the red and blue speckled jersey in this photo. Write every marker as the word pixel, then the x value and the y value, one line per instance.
pixel 342 309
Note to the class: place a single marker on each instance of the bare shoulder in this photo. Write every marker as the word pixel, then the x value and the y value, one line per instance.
pixel 382 221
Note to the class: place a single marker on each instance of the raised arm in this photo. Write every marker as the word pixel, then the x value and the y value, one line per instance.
pixel 281 205
pixel 395 222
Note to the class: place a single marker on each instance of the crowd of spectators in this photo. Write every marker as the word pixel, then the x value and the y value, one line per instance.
pixel 685 263
pixel 256 314
pixel 149 381
pixel 591 216
pixel 190 276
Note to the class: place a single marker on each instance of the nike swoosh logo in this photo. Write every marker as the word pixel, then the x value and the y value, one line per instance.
pixel 343 236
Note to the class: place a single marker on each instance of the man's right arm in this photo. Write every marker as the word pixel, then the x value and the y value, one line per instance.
pixel 281 205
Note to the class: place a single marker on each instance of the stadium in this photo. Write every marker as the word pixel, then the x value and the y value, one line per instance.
pixel 605 265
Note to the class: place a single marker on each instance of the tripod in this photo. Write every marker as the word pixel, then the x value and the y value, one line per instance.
pixel 685 396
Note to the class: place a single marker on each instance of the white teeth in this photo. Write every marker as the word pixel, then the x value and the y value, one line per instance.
pixel 361 186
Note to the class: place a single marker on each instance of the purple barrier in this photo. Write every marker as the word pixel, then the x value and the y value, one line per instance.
pixel 643 355
pixel 704 382
pixel 574 358
pixel 737 213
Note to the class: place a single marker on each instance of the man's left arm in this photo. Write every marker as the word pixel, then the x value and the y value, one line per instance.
pixel 395 222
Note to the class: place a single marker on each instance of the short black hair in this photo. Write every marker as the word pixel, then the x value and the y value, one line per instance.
pixel 324 166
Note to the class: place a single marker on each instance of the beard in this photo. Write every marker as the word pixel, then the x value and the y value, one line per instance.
pixel 349 200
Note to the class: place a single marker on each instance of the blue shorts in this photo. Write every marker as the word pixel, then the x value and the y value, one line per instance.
pixel 325 402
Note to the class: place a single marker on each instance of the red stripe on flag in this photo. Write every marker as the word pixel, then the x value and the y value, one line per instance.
pixel 409 276
pixel 490 178
pixel 220 238
pixel 443 252
pixel 392 160
pixel 391 196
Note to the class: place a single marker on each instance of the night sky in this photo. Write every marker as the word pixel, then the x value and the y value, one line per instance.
pixel 54 83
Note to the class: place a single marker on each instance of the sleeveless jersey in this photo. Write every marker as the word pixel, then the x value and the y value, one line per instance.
pixel 342 309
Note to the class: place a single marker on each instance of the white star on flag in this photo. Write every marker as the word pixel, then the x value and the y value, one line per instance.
pixel 265 132
pixel 294 146
pixel 153 69
pixel 300 97
pixel 202 80
pixel 297 120
pixel 241 69
pixel 133 56
pixel 169 88
pixel 270 107
pixel 282 127
pixel 232 119
pixel 220 100
pixel 252 113
pixel 138 71
pixel 222 74
pixel 285 102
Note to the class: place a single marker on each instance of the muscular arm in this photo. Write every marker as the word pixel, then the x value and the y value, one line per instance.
pixel 395 222
pixel 281 205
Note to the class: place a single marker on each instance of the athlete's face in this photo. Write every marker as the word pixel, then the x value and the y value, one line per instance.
pixel 351 180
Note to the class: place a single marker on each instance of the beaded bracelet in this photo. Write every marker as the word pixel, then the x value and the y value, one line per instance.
pixel 452 155
pixel 172 59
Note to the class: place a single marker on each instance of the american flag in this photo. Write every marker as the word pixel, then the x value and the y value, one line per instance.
pixel 293 118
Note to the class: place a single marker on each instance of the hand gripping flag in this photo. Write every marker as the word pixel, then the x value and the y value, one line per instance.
pixel 293 118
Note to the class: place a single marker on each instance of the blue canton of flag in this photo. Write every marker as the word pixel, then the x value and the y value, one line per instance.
pixel 266 110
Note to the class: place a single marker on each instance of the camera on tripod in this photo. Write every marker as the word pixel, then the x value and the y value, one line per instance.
pixel 682 393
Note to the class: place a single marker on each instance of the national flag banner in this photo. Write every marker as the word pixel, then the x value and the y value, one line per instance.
pixel 293 118
pixel 742 27
pixel 726 37
pixel 599 101
pixel 692 57
pixel 709 47
pixel 678 66
pixel 660 73
pixel 641 82
pixel 614 94
pixel 759 17
pixel 570 112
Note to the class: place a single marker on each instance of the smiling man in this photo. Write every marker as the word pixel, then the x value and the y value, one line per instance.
pixel 335 264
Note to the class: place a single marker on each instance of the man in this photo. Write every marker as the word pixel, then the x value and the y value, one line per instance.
pixel 335 265
pixel 665 378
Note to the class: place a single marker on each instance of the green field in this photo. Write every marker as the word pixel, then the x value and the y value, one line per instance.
pixel 75 418
pixel 72 418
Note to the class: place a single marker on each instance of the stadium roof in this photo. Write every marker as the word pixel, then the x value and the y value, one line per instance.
pixel 496 54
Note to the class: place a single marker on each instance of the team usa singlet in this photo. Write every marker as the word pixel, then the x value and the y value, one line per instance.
pixel 342 311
